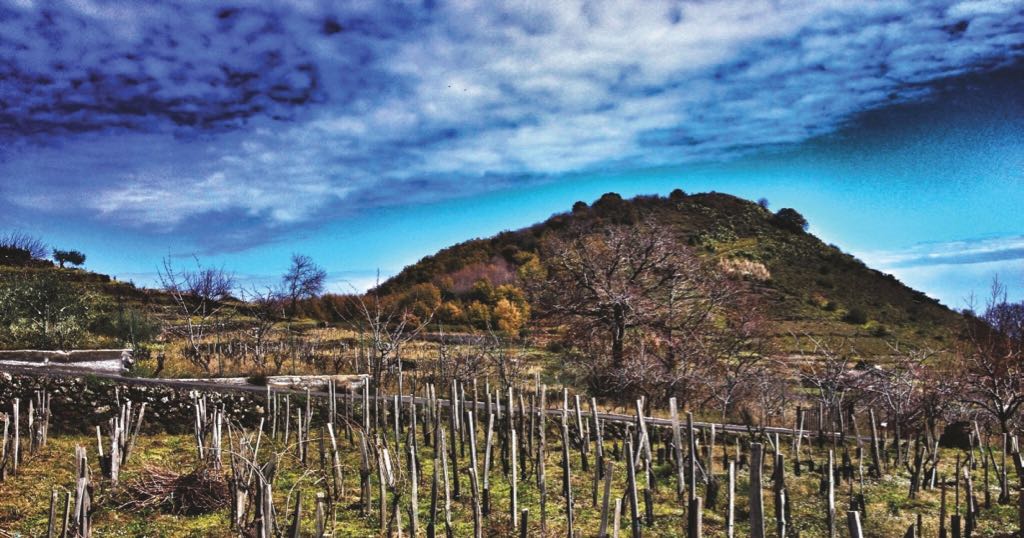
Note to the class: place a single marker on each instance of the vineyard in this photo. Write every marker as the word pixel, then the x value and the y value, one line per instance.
pixel 476 459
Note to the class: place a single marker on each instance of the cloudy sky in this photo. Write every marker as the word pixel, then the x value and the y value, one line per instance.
pixel 369 134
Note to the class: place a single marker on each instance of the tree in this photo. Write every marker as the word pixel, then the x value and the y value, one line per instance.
pixel 19 248
pixel 827 370
pixel 991 360
pixel 73 257
pixel 43 311
pixel 790 219
pixel 198 296
pixel 640 309
pixel 304 280
pixel 508 316
pixel 620 278
pixel 763 202
pixel 734 358
pixel 263 307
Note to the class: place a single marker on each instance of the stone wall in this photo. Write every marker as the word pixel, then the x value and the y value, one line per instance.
pixel 79 404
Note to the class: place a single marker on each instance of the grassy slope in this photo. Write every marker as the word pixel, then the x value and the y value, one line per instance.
pixel 812 285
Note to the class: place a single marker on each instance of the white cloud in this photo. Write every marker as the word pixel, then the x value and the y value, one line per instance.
pixel 268 110
pixel 954 270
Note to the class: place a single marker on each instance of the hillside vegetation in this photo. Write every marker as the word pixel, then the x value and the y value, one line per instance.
pixel 805 286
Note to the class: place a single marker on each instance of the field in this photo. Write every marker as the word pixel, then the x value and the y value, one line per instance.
pixel 888 511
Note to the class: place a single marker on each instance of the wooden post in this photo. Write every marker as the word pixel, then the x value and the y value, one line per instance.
pixel 16 449
pixel 730 518
pixel 296 516
pixel 432 518
pixel 414 484
pixel 631 489
pixel 696 526
pixel 567 474
pixel 831 515
pixel 692 441
pixel 616 524
pixel 453 409
pixel 321 525
pixel 875 456
pixel 51 526
pixel 756 497
pixel 364 475
pixel 475 491
pixel 541 477
pixel 677 448
pixel 853 522
pixel 488 441
pixel 447 490
pixel 779 488
pixel 514 483
pixel 603 529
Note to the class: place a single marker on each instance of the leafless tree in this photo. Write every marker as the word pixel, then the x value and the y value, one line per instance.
pixel 991 359
pixel 303 280
pixel 616 279
pixel 827 370
pixel 460 359
pixel 198 297
pixel 897 386
pixel 18 248
pixel 263 308
pixel 390 329
pixel 640 308
pixel 735 356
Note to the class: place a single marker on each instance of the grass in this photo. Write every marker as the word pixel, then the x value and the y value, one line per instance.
pixel 24 499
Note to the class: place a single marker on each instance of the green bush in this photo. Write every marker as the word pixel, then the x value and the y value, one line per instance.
pixel 856 316
pixel 790 219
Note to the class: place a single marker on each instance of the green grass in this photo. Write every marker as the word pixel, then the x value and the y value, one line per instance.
pixel 24 499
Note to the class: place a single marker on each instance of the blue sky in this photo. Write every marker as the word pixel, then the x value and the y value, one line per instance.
pixel 369 134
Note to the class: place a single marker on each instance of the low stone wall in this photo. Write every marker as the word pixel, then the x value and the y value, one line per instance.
pixel 102 360
pixel 79 404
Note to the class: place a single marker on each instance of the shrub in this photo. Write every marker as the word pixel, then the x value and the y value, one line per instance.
pixel 790 219
pixel 856 316
pixel 875 328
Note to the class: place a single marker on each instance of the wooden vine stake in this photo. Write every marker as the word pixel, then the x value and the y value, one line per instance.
pixel 756 496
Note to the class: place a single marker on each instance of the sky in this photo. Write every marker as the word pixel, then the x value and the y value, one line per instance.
pixel 370 134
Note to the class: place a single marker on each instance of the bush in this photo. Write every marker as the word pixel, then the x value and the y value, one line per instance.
pixel 790 219
pixel 875 328
pixel 856 316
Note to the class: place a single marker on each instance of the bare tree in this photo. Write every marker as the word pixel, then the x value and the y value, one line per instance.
pixel 827 370
pixel 304 279
pixel 991 359
pixel 391 328
pixel 735 356
pixel 897 386
pixel 642 310
pixel 198 297
pixel 613 280
pixel 18 248
pixel 263 307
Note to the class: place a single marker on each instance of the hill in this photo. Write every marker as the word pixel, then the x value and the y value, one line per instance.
pixel 47 307
pixel 806 286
